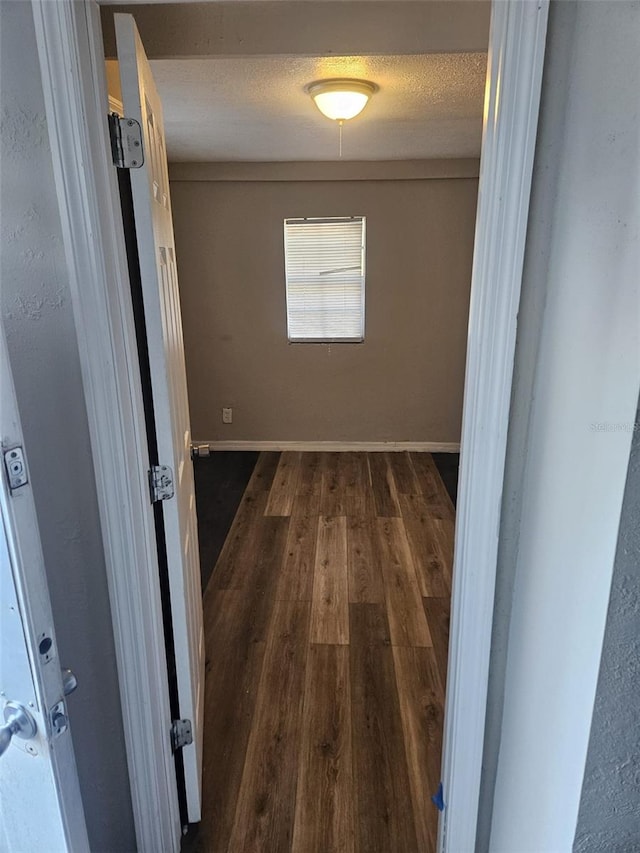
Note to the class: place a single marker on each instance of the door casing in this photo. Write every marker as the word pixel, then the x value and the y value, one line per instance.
pixel 71 59
pixel 73 75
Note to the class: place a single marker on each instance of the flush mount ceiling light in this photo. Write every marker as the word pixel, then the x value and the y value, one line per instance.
pixel 341 99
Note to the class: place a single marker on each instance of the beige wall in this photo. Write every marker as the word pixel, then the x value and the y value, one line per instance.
pixel 404 383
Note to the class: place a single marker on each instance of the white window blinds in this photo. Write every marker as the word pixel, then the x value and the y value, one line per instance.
pixel 324 261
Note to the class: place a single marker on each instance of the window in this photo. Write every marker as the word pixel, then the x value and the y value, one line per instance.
pixel 324 260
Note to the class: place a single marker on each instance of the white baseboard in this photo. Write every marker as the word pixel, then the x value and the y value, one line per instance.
pixel 337 446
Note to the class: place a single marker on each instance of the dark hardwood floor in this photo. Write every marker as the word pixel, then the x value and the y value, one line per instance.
pixel 326 624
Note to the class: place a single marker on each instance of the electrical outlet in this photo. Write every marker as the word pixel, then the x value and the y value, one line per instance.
pixel 227 416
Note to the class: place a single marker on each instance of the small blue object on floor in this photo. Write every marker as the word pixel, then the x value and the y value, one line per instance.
pixel 438 798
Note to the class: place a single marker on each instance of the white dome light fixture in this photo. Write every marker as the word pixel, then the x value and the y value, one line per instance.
pixel 341 99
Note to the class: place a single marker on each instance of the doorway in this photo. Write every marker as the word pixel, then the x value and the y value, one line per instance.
pixel 432 324
pixel 511 28
pixel 407 372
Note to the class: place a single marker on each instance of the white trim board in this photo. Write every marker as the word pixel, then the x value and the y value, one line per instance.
pixel 512 104
pixel 336 446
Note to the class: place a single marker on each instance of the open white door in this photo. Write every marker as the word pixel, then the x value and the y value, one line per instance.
pixel 154 233
pixel 39 791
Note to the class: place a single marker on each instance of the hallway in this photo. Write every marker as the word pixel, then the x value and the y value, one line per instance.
pixel 326 622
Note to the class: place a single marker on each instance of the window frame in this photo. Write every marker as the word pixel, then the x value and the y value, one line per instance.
pixel 334 220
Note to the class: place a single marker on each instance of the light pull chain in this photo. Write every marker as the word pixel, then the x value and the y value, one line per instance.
pixel 340 144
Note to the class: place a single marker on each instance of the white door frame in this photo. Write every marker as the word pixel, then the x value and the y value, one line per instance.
pixel 70 51
pixel 72 65
pixel 512 103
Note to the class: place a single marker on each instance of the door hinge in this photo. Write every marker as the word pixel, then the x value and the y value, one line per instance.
pixel 181 734
pixel 126 142
pixel 160 483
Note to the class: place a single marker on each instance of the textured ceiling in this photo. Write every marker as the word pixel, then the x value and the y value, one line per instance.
pixel 226 109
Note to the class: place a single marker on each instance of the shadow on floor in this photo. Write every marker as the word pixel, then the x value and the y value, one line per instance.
pixel 221 479
pixel 447 465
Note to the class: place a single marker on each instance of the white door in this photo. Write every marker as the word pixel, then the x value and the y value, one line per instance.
pixel 40 800
pixel 154 232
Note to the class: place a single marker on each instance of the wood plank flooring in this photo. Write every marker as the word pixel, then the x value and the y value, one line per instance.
pixel 326 624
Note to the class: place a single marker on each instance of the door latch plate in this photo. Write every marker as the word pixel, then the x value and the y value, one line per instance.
pixel 16 468
pixel 59 720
